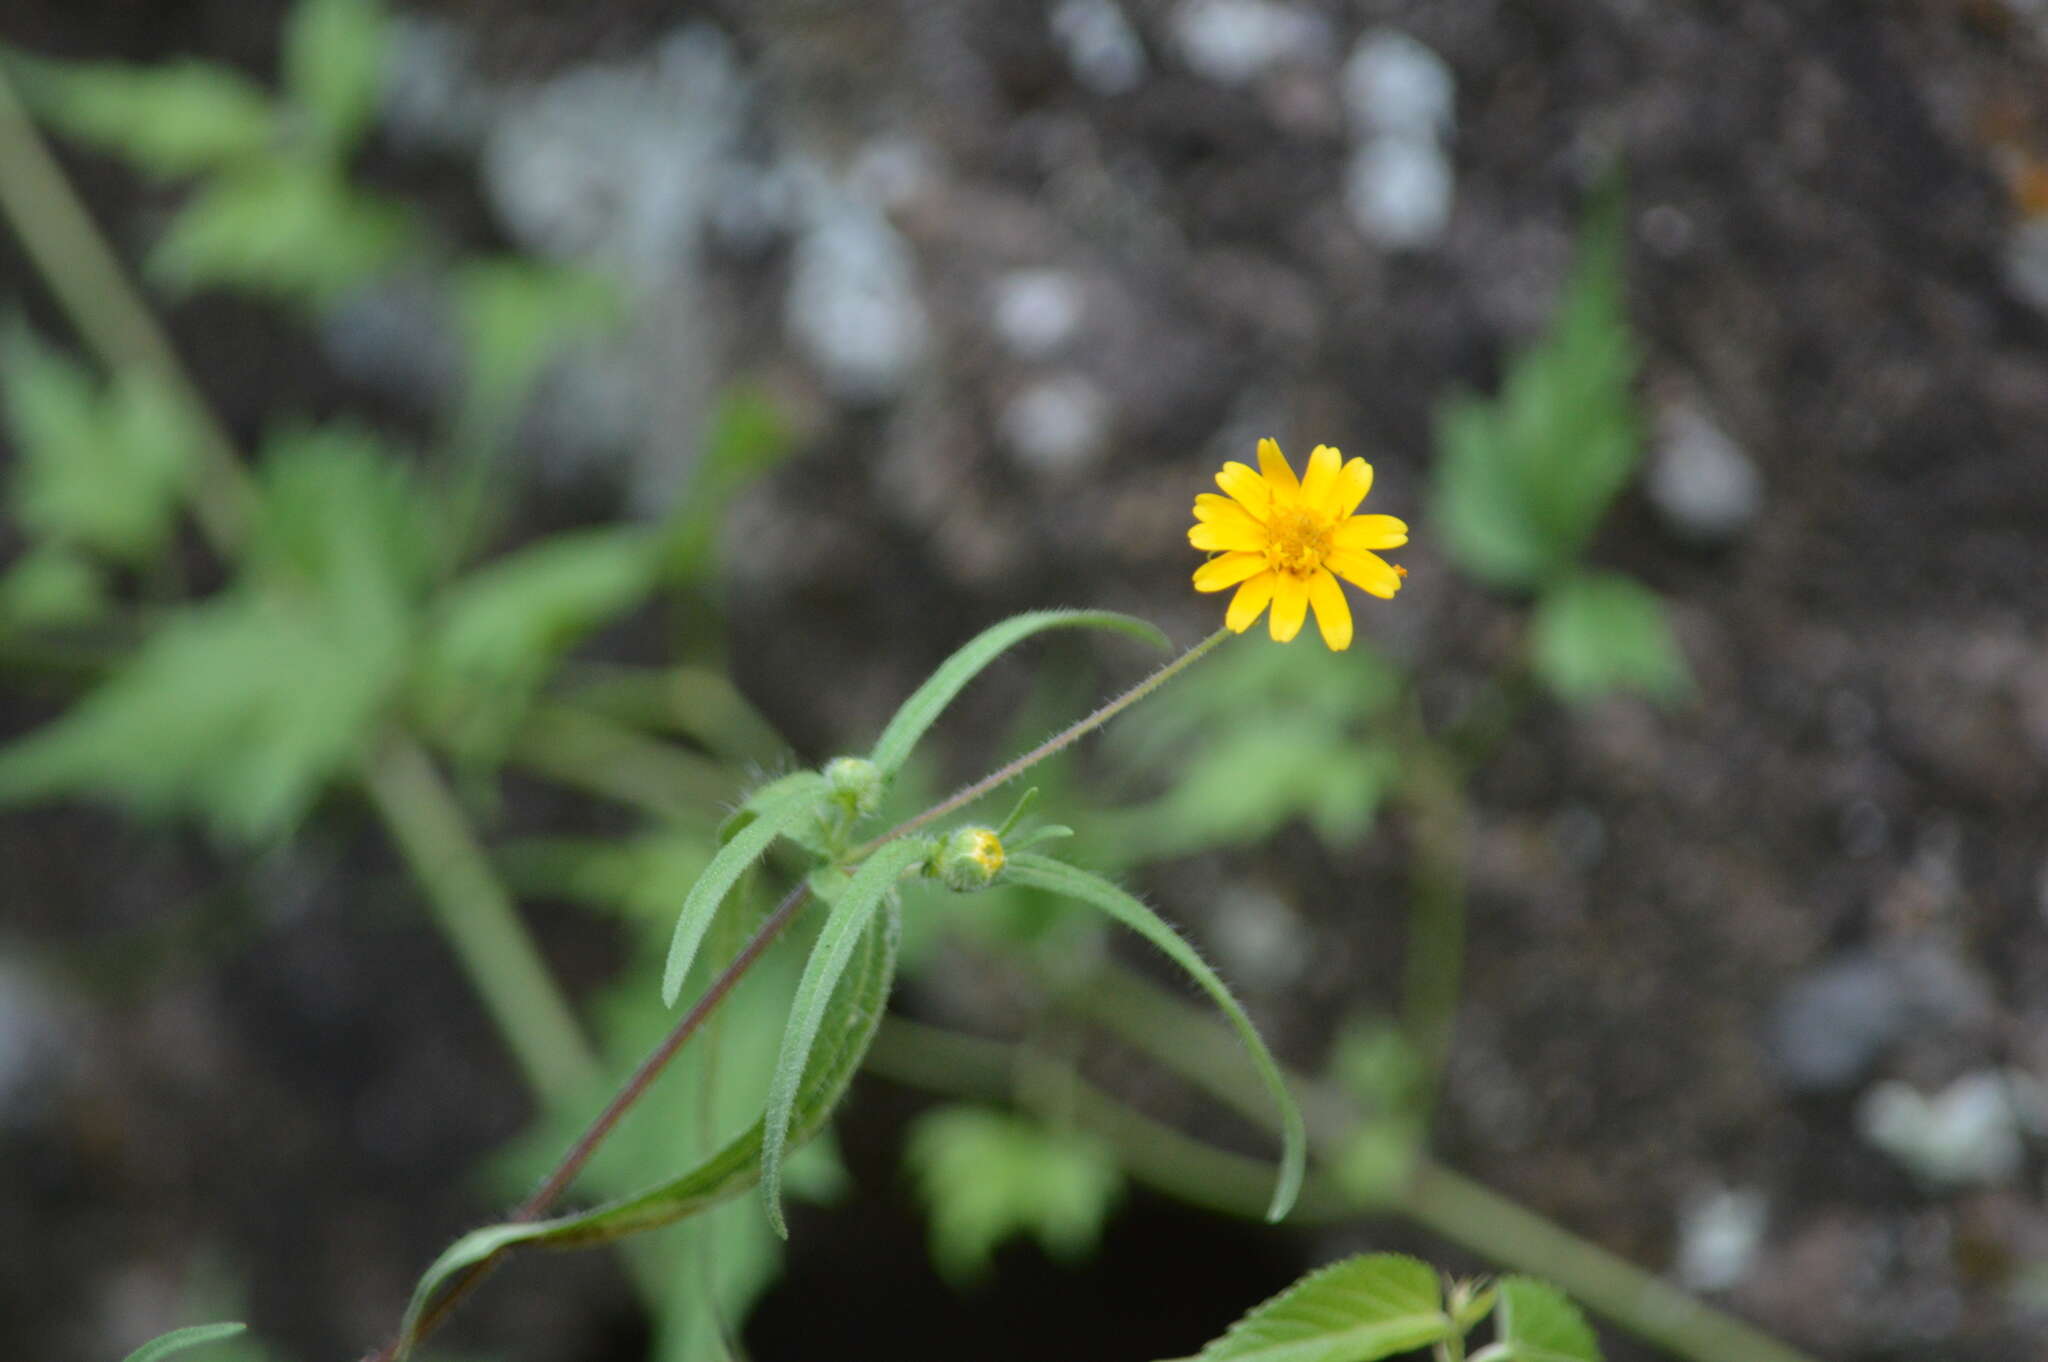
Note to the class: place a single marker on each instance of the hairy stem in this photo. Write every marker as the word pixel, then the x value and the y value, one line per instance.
pixel 1010 770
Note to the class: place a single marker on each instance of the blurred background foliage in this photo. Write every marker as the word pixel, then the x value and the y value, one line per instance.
pixel 582 420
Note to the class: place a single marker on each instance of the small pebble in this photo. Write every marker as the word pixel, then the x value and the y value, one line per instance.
pixel 1232 42
pixel 1102 48
pixel 1398 190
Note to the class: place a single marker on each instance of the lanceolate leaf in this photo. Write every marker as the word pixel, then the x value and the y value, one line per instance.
pixel 1371 1306
pixel 855 909
pixel 1060 878
pixel 794 798
pixel 177 1340
pixel 930 700
pixel 1536 1323
pixel 843 1037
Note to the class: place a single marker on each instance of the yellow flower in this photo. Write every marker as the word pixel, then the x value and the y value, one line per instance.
pixel 1284 541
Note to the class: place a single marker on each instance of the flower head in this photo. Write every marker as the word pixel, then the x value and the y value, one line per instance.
pixel 969 858
pixel 1284 541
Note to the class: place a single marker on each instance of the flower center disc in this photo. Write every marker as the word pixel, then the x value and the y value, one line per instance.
pixel 1296 542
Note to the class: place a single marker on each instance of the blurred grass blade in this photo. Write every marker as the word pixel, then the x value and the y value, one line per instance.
pixel 1042 872
pixel 855 909
pixel 930 699
pixel 794 798
pixel 177 1340
pixel 1371 1306
pixel 849 1027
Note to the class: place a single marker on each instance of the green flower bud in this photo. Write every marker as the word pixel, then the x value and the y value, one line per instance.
pixel 856 784
pixel 969 858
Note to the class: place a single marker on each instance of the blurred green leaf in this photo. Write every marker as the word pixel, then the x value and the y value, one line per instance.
pixel 1363 1308
pixel 333 65
pixel 1595 634
pixel 241 708
pixel 498 633
pixel 986 1176
pixel 748 436
pixel 516 313
pixel 1378 1067
pixel 178 1340
pixel 101 469
pixel 296 232
pixel 1254 739
pixel 1536 1323
pixel 50 588
pixel 1522 480
pixel 173 120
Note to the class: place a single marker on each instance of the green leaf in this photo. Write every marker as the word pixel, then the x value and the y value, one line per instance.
pixel 284 230
pixel 50 588
pixel 333 66
pixel 930 699
pixel 101 469
pixel 243 707
pixel 499 632
pixel 177 1340
pixel 795 797
pixel 1595 634
pixel 986 1176
pixel 848 1028
pixel 855 908
pixel 748 436
pixel 1521 481
pixel 171 120
pixel 516 313
pixel 1371 1306
pixel 1536 1323
pixel 1042 872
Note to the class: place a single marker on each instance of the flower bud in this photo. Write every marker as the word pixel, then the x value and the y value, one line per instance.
pixel 856 784
pixel 969 858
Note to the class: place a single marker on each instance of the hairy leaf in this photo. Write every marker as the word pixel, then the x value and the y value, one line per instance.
pixel 1536 1323
pixel 843 1038
pixel 855 908
pixel 929 700
pixel 1045 873
pixel 333 65
pixel 1371 1306
pixel 794 797
pixel 1597 633
pixel 985 1176
pixel 177 1340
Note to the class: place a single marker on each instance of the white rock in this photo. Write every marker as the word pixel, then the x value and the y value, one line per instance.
pixel 1398 190
pixel 1036 311
pixel 1057 426
pixel 1102 48
pixel 852 305
pixel 1718 1238
pixel 1234 41
pixel 1704 484
pixel 1967 1134
pixel 1394 84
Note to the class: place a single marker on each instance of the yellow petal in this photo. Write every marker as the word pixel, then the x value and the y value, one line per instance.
pixel 1320 477
pixel 1290 606
pixel 1353 482
pixel 1368 572
pixel 1249 602
pixel 1371 532
pixel 1279 474
pixel 1333 612
pixel 1228 571
pixel 1226 535
pixel 1246 488
pixel 1211 509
